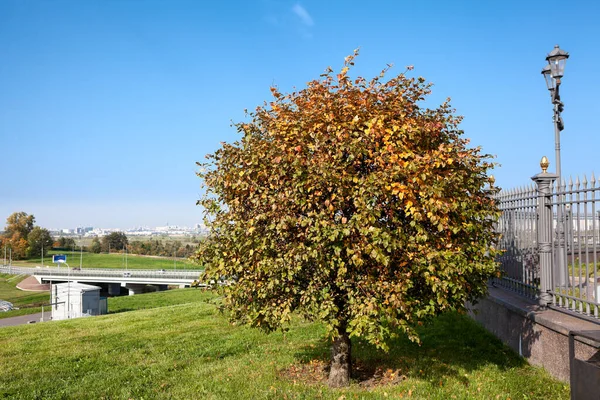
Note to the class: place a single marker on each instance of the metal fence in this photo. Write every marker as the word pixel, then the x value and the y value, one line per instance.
pixel 518 228
pixel 550 237
pixel 575 262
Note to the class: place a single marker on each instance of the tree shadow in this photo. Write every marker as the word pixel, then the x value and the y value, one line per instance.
pixel 451 345
pixel 121 310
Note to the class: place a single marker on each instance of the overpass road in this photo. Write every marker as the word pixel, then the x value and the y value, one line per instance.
pixel 133 280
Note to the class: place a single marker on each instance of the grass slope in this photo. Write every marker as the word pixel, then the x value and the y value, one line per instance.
pixel 190 351
pixel 28 301
pixel 91 260
pixel 158 299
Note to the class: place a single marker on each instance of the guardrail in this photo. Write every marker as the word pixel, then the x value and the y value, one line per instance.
pixel 97 272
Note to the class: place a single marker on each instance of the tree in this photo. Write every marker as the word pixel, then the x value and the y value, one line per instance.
pixel 66 243
pixel 350 203
pixel 114 241
pixel 95 247
pixel 16 244
pixel 37 239
pixel 19 222
pixel 18 227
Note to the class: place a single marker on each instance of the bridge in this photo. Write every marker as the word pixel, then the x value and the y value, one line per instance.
pixel 110 279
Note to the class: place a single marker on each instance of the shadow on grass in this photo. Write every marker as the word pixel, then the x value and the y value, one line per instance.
pixel 451 345
pixel 121 310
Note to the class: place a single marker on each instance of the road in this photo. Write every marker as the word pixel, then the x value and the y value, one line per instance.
pixel 20 320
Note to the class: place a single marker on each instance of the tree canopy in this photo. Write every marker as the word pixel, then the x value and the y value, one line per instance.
pixel 18 227
pixel 65 243
pixel 19 223
pixel 114 241
pixel 96 246
pixel 38 239
pixel 349 202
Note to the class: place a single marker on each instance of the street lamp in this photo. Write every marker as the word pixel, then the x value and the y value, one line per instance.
pixel 553 72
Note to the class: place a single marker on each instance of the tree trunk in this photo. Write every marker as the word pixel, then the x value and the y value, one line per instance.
pixel 341 365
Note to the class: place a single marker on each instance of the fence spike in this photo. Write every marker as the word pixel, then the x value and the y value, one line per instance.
pixel 592 180
pixel 584 181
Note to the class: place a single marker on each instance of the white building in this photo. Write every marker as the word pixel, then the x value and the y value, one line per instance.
pixel 74 300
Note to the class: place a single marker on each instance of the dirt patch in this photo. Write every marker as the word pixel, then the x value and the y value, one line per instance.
pixel 313 372
pixel 317 371
pixel 31 284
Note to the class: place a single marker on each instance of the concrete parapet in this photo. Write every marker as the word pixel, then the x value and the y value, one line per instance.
pixel 540 335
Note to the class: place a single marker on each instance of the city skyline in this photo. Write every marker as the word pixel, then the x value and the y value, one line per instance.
pixel 105 107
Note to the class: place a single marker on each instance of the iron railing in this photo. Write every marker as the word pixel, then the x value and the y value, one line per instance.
pixel 550 237
pixel 575 285
pixel 518 228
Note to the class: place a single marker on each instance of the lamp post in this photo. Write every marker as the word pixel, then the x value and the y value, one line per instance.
pixel 553 72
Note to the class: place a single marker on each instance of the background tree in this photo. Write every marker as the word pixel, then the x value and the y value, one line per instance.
pixel 115 241
pixel 38 238
pixel 19 223
pixel 17 244
pixel 18 227
pixel 96 246
pixel 350 203
pixel 65 243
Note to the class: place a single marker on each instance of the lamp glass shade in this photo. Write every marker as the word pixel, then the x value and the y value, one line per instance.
pixel 557 60
pixel 550 82
pixel 557 67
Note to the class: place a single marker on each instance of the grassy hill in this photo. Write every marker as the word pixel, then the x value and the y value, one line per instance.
pixel 189 350
pixel 28 301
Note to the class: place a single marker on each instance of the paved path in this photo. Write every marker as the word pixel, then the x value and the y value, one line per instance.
pixel 21 319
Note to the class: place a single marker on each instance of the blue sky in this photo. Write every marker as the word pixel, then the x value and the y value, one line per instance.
pixel 106 105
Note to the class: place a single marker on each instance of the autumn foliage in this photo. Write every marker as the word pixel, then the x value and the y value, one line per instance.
pixel 353 205
pixel 22 238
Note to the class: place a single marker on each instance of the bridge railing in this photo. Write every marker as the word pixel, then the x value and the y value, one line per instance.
pixel 112 273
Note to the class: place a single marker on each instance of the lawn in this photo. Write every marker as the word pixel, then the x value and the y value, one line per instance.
pixel 157 299
pixel 188 351
pixel 28 302
pixel 113 260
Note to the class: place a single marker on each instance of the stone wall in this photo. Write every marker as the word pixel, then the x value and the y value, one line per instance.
pixel 541 336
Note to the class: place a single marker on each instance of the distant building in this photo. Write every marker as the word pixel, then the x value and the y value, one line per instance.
pixel 75 300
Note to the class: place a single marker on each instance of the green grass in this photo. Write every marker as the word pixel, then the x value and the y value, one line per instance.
pixel 28 302
pixel 157 299
pixel 91 260
pixel 190 351
pixel 575 270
